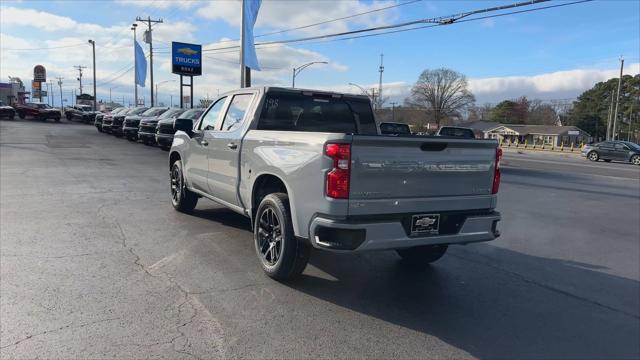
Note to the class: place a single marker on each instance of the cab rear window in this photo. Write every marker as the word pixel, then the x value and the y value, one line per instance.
pixel 298 112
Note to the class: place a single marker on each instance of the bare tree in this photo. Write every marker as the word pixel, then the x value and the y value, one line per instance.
pixel 442 92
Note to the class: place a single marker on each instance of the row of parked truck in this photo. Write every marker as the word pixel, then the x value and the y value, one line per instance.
pixel 151 125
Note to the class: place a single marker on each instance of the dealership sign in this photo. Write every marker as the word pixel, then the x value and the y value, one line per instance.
pixel 39 73
pixel 186 59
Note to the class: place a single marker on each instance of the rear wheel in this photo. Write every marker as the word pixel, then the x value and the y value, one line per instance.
pixel 420 256
pixel 281 254
pixel 635 159
pixel 593 156
pixel 182 199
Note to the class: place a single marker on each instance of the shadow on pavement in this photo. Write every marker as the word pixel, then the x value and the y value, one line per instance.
pixel 484 310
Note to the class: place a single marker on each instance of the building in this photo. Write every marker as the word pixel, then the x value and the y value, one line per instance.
pixel 549 135
pixel 481 128
pixel 13 92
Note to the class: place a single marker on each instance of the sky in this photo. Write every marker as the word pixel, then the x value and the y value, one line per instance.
pixel 549 54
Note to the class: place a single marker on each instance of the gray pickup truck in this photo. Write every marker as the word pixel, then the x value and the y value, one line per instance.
pixel 311 169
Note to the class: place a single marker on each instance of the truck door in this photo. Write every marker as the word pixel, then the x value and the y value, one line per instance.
pixel 197 166
pixel 224 149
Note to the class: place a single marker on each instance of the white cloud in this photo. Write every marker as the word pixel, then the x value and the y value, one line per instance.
pixel 160 4
pixel 285 14
pixel 559 84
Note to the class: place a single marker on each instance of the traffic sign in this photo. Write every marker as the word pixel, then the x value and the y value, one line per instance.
pixel 186 59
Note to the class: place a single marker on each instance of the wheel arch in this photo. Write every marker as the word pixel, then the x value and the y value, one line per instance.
pixel 264 185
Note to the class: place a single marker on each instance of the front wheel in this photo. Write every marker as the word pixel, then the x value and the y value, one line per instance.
pixel 593 156
pixel 182 199
pixel 281 255
pixel 422 255
pixel 635 159
pixel 21 115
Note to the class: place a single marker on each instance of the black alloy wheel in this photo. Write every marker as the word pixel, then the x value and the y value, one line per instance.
pixel 182 199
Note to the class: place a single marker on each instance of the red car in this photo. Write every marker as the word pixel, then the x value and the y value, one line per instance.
pixel 38 111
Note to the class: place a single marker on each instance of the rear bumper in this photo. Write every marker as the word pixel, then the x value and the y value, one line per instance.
pixel 392 233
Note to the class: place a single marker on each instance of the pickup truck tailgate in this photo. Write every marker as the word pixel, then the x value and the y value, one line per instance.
pixel 415 174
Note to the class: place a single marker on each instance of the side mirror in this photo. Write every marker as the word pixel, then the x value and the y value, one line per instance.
pixel 185 125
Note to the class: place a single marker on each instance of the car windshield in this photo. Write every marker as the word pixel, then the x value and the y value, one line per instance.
pixel 394 129
pixel 171 113
pixel 154 111
pixel 192 114
pixel 85 108
pixel 137 111
pixel 42 106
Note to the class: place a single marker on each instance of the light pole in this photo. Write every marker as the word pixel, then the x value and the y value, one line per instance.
pixel 160 83
pixel 364 91
pixel 135 67
pixel 95 99
pixel 297 70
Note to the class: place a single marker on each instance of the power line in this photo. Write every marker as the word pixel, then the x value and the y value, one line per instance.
pixel 328 37
pixel 328 21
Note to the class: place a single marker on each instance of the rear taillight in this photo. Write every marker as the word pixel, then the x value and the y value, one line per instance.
pixel 496 172
pixel 338 177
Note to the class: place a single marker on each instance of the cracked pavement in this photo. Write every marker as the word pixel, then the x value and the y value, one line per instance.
pixel 95 263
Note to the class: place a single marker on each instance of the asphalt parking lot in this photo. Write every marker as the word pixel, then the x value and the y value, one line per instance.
pixel 95 263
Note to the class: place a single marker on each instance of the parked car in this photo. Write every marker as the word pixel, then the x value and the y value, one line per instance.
pixel 107 120
pixel 456 131
pixel 100 117
pixel 147 125
pixel 310 170
pixel 613 150
pixel 166 129
pixel 82 113
pixel 7 111
pixel 118 120
pixel 392 128
pixel 37 110
pixel 132 122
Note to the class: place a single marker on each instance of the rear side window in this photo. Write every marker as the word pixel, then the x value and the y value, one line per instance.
pixel 298 112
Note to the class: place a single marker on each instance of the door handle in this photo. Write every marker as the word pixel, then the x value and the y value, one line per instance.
pixel 204 143
pixel 232 146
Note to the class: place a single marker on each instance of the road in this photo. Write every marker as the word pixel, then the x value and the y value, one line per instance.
pixel 95 263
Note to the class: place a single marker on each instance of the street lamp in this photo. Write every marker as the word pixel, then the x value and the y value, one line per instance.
pixel 364 91
pixel 135 67
pixel 160 83
pixel 95 99
pixel 297 70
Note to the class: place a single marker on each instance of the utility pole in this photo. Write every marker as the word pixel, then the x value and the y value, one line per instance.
pixel 149 39
pixel 135 68
pixel 393 111
pixel 52 96
pixel 608 136
pixel 79 68
pixel 60 84
pixel 615 113
pixel 374 99
pixel 95 99
pixel 381 70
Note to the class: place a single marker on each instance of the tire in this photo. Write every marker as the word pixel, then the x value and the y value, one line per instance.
pixel 182 199
pixel 57 119
pixel 593 156
pixel 421 256
pixel 99 128
pixel 131 138
pixel 635 159
pixel 21 115
pixel 69 117
pixel 273 229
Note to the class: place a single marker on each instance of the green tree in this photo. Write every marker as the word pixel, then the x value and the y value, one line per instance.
pixel 591 110
pixel 511 111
